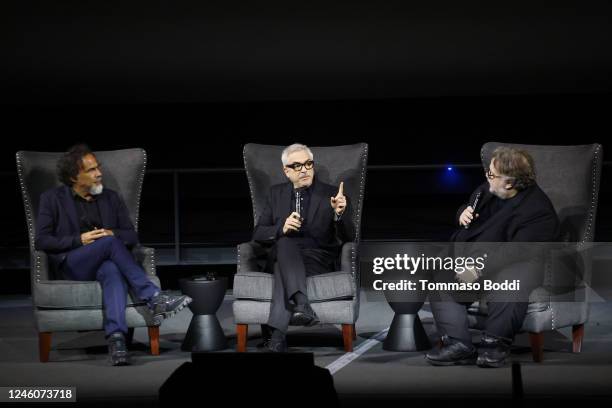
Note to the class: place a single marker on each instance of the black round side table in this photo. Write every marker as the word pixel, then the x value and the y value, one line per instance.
pixel 406 332
pixel 205 332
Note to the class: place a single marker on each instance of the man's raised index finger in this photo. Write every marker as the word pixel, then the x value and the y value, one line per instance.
pixel 341 189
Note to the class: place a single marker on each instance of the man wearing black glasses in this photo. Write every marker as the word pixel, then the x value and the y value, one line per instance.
pixel 303 220
pixel 510 207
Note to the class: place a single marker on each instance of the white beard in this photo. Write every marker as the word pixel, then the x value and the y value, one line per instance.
pixel 96 189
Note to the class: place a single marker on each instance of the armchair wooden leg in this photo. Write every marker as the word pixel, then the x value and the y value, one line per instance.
pixel 44 346
pixel 154 339
pixel 577 336
pixel 354 333
pixel 537 346
pixel 242 331
pixel 348 331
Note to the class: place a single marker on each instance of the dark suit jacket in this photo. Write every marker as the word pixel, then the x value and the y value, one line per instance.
pixel 528 217
pixel 58 227
pixel 328 233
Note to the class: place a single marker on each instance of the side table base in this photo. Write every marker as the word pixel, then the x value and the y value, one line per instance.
pixel 406 334
pixel 204 334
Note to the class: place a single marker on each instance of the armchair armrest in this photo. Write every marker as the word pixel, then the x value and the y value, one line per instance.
pixel 250 254
pixel 39 266
pixel 348 258
pixel 145 256
pixel 349 262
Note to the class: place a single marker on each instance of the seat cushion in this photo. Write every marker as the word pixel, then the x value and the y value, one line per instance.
pixel 481 308
pixel 67 294
pixel 321 288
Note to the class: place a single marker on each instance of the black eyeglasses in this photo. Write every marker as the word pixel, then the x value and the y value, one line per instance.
pixel 490 175
pixel 298 166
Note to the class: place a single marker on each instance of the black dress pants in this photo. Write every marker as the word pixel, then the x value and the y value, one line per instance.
pixel 506 310
pixel 295 260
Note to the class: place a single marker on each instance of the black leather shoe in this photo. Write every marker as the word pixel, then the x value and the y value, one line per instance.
pixel 303 315
pixel 452 352
pixel 277 343
pixel 117 350
pixel 166 305
pixel 493 351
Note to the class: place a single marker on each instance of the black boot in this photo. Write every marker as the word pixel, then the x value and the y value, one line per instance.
pixel 277 343
pixel 493 351
pixel 117 350
pixel 452 352
pixel 266 335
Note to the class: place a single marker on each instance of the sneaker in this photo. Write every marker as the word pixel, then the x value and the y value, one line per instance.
pixel 165 305
pixel 117 350
pixel 493 351
pixel 452 352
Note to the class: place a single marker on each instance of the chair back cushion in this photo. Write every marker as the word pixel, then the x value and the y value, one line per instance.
pixel 570 176
pixel 122 171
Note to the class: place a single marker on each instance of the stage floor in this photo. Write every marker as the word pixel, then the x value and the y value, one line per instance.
pixel 368 375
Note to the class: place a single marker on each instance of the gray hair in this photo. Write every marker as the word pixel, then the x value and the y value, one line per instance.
pixel 296 147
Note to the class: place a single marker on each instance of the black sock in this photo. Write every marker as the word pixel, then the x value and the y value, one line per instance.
pixel 299 298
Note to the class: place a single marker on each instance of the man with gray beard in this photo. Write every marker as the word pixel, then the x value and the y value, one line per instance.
pixel 86 230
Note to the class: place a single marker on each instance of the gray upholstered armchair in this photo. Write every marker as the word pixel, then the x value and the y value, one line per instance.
pixel 62 305
pixel 570 176
pixel 334 296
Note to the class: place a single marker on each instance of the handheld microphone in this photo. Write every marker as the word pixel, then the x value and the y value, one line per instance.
pixel 298 202
pixel 474 207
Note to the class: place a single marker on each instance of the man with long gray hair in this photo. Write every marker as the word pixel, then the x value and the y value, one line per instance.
pixel 303 220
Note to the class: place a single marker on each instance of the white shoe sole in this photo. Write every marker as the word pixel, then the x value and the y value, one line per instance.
pixel 158 318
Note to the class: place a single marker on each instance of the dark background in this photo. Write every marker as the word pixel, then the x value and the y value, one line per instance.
pixel 192 51
pixel 423 83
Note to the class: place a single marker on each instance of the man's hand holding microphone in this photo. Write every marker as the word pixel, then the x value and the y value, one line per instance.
pixel 292 223
pixel 338 204
pixel 467 216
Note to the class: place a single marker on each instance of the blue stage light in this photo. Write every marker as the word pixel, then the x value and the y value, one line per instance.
pixel 449 168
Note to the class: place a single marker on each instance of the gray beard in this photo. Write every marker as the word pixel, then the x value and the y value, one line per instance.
pixel 96 189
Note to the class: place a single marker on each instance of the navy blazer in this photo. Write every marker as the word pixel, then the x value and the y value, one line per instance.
pixel 58 229
pixel 328 233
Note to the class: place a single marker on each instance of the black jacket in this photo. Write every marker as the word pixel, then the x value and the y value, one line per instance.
pixel 527 217
pixel 58 229
pixel 324 229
